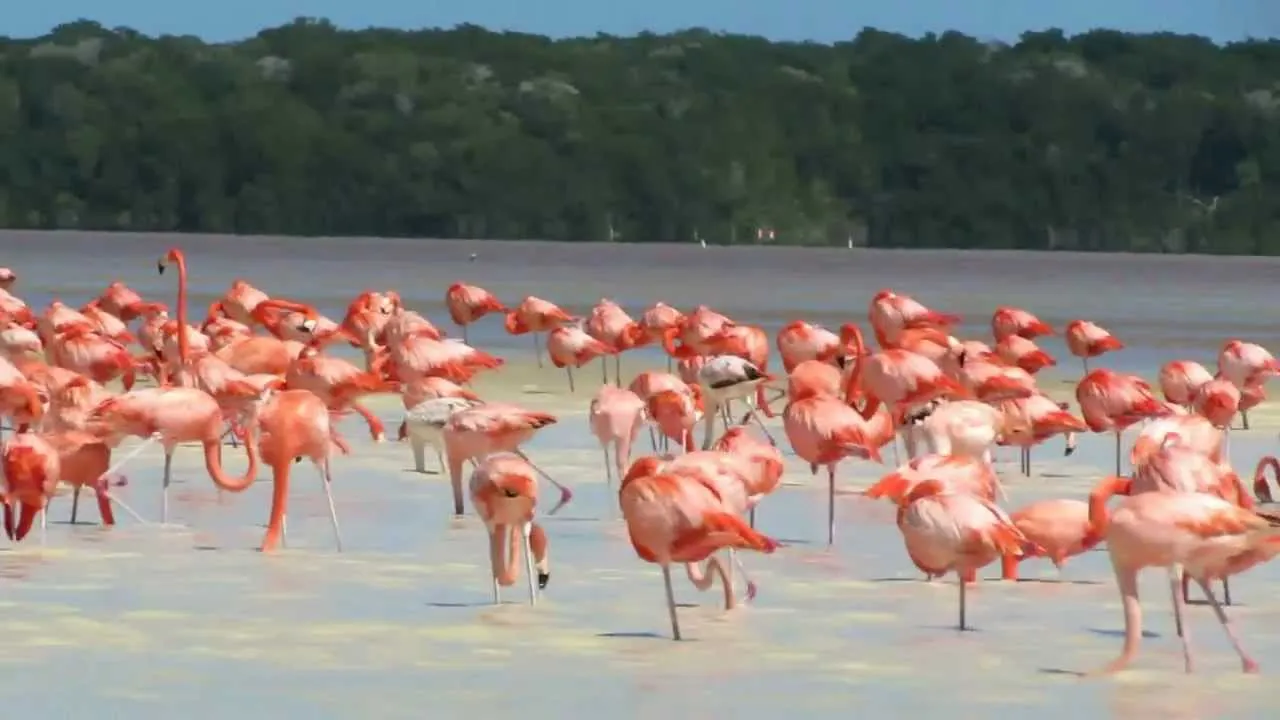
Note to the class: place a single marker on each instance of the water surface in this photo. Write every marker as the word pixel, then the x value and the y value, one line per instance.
pixel 151 621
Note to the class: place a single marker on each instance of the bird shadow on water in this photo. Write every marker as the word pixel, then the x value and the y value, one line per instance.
pixel 1146 634
pixel 455 604
pixel 640 635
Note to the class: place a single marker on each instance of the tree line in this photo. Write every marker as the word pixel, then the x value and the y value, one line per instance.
pixel 1099 141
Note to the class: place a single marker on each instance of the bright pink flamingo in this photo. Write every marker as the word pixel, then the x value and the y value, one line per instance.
pixel 1086 340
pixel 1111 402
pixel 504 493
pixel 680 518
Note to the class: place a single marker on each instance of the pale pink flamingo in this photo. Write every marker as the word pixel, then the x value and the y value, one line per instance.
pixel 477 432
pixel 1180 381
pixel 1024 353
pixel 611 325
pixel 1199 535
pixel 615 417
pixel 890 314
pixel 947 530
pixel 424 425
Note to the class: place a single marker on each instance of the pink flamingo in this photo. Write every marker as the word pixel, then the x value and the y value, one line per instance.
pixel 948 530
pixel 615 417
pixel 1199 535
pixel 475 433
pixel 504 493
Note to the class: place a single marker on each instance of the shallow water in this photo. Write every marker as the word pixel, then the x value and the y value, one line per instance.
pixel 148 620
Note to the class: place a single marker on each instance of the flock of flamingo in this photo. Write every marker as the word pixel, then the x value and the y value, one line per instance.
pixel 1182 507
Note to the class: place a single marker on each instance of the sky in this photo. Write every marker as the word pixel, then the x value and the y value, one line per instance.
pixel 820 20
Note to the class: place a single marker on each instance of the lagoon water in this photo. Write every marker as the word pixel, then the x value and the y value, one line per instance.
pixel 190 619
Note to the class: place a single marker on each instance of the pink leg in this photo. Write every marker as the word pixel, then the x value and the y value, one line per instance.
pixel 1175 589
pixel 1250 665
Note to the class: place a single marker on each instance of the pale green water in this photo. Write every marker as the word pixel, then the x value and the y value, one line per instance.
pixel 154 621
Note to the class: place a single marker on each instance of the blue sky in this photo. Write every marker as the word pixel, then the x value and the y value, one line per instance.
pixel 823 20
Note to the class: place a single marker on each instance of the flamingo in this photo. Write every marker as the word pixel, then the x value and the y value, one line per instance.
pixel 504 493
pixel 469 303
pixel 477 432
pixel 680 517
pixel 1111 402
pixel 615 417
pixel 533 316
pixel 1086 339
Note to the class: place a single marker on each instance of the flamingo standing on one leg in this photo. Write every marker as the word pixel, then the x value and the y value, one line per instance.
pixel 616 416
pixel 534 315
pixel 677 518
pixel 1112 401
pixel 1086 340
pixel 956 531
pixel 469 303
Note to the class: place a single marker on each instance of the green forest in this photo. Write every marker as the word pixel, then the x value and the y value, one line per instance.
pixel 1102 141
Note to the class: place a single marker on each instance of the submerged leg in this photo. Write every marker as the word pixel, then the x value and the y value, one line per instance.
pixel 831 504
pixel 1175 589
pixel 525 531
pixel 419 449
pixel 327 479
pixel 671 602
pixel 164 488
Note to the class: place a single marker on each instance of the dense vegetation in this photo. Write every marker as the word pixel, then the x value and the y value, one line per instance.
pixel 1103 141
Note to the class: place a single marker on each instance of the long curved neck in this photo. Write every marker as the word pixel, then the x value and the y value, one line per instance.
pixel 184 347
pixel 1261 488
pixel 1099 516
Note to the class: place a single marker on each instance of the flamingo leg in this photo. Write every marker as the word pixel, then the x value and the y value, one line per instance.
pixel 736 559
pixel 419 449
pixel 75 503
pixel 565 493
pixel 751 517
pixel 440 459
pixel 164 488
pixel 537 348
pixel 526 529
pixel 709 425
pixel 1175 589
pixel 608 469
pixel 604 369
pixel 1250 665
pixel 464 335
pixel 1118 452
pixel 569 371
pixel 963 620
pixel 671 602
pixel 1244 422
pixel 752 414
pixel 497 538
pixel 617 369
pixel 327 477
pixel 831 504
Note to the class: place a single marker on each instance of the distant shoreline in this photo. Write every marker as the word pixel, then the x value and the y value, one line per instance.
pixel 14 235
